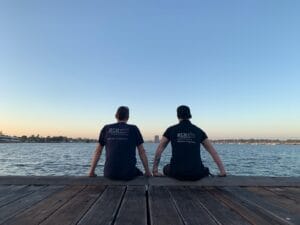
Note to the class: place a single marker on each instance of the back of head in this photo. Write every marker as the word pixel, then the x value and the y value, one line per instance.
pixel 183 112
pixel 122 113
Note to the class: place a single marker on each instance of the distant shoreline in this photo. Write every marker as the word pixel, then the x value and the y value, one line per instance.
pixel 258 141
pixel 63 139
pixel 253 141
pixel 48 139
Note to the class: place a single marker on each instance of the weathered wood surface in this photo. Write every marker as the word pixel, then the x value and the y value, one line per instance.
pixel 162 209
pixel 18 205
pixel 242 181
pixel 137 203
pixel 105 209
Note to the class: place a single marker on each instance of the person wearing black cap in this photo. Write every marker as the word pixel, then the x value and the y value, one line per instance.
pixel 120 140
pixel 186 138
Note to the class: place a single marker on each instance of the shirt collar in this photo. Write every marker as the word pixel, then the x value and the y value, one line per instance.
pixel 185 121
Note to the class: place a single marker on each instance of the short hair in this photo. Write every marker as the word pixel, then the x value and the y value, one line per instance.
pixel 122 113
pixel 183 112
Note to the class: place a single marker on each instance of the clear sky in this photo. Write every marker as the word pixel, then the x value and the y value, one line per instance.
pixel 65 66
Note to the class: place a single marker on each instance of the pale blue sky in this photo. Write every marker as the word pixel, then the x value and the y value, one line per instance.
pixel 65 66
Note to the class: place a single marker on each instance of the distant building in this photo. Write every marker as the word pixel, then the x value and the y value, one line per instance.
pixel 156 139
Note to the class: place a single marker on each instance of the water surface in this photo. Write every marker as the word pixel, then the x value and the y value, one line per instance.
pixel 74 159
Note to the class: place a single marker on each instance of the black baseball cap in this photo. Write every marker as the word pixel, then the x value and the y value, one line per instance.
pixel 183 112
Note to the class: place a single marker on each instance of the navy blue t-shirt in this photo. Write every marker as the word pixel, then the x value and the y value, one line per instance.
pixel 120 141
pixel 186 139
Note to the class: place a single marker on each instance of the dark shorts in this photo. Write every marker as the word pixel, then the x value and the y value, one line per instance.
pixel 197 176
pixel 167 170
pixel 136 173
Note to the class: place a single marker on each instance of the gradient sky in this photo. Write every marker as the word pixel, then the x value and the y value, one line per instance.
pixel 65 66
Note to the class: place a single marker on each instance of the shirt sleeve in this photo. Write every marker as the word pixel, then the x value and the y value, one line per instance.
pixel 139 137
pixel 167 134
pixel 203 136
pixel 102 139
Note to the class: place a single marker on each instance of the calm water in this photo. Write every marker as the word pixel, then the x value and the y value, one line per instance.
pixel 74 159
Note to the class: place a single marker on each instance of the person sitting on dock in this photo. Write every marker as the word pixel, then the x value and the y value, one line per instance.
pixel 186 163
pixel 120 140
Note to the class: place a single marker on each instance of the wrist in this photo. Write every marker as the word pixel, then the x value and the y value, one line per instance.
pixel 223 172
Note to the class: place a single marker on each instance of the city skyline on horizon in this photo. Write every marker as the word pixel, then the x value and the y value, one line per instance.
pixel 65 67
pixel 155 138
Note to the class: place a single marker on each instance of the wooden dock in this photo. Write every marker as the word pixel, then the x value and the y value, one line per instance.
pixel 154 201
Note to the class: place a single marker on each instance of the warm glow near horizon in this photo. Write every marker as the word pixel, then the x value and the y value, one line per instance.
pixel 92 131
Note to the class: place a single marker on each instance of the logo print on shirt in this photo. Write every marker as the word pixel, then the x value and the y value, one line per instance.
pixel 186 138
pixel 118 131
pixel 118 134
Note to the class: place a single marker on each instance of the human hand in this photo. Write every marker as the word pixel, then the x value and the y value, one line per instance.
pixel 157 174
pixel 92 175
pixel 222 174
pixel 148 174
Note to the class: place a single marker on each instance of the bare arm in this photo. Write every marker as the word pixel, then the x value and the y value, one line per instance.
pixel 212 151
pixel 144 159
pixel 95 160
pixel 161 147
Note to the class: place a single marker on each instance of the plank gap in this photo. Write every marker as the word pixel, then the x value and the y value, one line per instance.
pixel 147 205
pixel 119 206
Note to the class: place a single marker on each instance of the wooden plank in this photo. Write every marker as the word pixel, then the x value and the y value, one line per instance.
pixel 74 209
pixel 288 204
pixel 43 209
pixel 295 190
pixel 280 213
pixel 104 210
pixel 161 207
pixel 17 194
pixel 291 193
pixel 134 207
pixel 69 180
pixel 251 214
pixel 25 202
pixel 5 189
pixel 191 211
pixel 159 181
pixel 221 213
pixel 229 181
